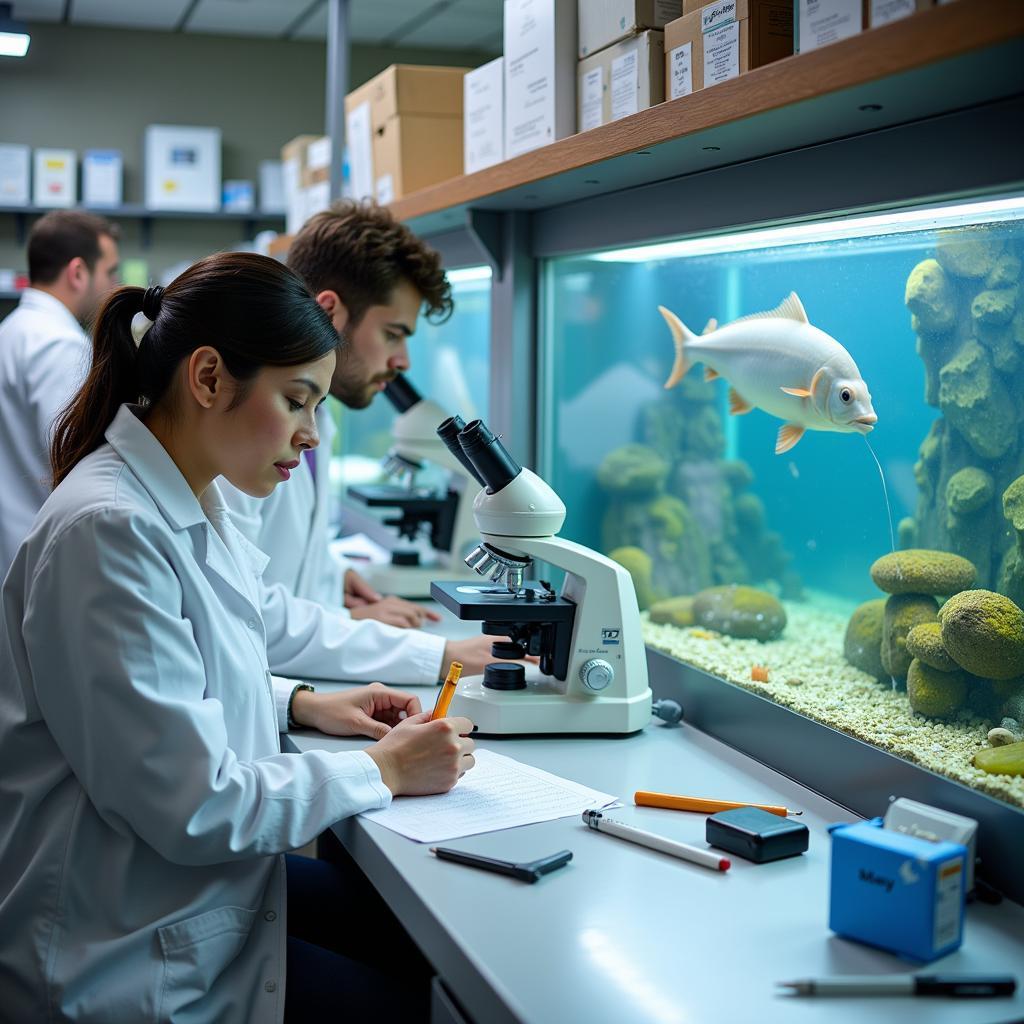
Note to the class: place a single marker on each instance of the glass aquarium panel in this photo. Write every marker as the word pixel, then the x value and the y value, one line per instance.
pixel 828 507
pixel 450 365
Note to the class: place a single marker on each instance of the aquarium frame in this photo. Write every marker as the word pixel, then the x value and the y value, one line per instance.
pixel 861 777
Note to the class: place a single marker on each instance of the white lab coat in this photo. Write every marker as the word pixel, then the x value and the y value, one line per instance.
pixel 291 527
pixel 144 798
pixel 44 356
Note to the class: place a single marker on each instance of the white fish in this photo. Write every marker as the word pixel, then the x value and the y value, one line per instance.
pixel 777 361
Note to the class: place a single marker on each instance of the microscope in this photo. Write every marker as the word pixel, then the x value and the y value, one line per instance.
pixel 591 675
pixel 436 522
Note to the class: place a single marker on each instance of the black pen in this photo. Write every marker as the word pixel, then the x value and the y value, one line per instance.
pixel 960 986
pixel 529 871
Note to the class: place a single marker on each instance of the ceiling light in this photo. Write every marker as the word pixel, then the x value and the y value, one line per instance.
pixel 14 37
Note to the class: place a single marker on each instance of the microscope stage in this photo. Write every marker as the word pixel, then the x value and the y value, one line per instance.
pixel 488 601
pixel 418 500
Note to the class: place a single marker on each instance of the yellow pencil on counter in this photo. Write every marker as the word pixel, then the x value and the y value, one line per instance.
pixel 444 698
pixel 642 798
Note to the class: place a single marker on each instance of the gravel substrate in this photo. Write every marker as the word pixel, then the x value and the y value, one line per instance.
pixel 808 673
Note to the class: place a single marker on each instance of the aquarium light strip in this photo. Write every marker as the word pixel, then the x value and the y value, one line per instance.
pixel 921 219
pixel 467 274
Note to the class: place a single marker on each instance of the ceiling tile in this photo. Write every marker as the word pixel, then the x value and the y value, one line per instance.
pixel 154 14
pixel 245 17
pixel 455 26
pixel 38 10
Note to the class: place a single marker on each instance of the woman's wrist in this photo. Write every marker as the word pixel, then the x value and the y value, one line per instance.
pixel 303 708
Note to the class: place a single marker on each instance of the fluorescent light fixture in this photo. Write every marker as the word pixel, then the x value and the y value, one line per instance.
pixel 466 274
pixel 873 225
pixel 14 37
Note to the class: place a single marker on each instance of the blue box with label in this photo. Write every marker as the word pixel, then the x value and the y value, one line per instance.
pixel 895 891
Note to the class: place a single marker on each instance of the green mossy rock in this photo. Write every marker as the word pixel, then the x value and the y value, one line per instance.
pixel 1008 760
pixel 632 469
pixel 968 490
pixel 750 514
pixel 676 611
pixel 1013 504
pixel 924 642
pixel 929 298
pixel 977 403
pixel 906 533
pixel 933 693
pixel 737 474
pixel 967 257
pixel 739 611
pixel 902 613
pixel 994 307
pixel 1005 273
pixel 984 633
pixel 922 571
pixel 638 564
pixel 862 645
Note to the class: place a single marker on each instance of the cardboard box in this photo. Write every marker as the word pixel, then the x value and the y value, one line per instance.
pixel 182 168
pixel 820 22
pixel 483 116
pixel 725 39
pixel 603 22
pixel 621 79
pixel 102 178
pixel 55 177
pixel 293 165
pixel 410 153
pixel 430 99
pixel 540 73
pixel 14 175
pixel 881 12
pixel 317 168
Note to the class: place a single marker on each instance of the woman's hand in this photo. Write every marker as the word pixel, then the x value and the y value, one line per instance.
pixel 419 757
pixel 474 653
pixel 395 611
pixel 372 710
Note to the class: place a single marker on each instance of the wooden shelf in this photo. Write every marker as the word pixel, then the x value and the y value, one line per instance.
pixel 943 59
pixel 135 211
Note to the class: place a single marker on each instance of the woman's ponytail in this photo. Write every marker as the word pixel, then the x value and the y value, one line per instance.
pixel 112 380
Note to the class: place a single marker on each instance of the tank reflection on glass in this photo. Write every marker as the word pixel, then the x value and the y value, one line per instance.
pixel 885 605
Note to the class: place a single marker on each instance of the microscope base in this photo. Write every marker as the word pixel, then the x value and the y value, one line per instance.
pixel 541 709
pixel 409 581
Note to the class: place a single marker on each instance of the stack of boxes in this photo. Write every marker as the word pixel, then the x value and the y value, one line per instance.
pixel 622 58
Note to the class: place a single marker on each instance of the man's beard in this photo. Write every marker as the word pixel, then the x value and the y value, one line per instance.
pixel 350 385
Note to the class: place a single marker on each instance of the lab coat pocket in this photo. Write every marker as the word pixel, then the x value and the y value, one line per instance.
pixel 196 952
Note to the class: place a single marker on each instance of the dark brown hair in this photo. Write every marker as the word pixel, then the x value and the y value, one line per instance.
pixel 61 235
pixel 361 252
pixel 253 310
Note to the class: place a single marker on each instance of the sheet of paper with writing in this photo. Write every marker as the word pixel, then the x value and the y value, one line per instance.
pixel 498 793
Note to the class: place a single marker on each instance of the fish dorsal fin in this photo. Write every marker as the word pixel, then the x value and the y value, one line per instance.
pixel 710 374
pixel 791 308
pixel 711 325
pixel 738 405
pixel 788 436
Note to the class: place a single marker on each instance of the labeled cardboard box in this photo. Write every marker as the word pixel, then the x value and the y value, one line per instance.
pixel 55 177
pixel 182 167
pixel 483 116
pixel 821 22
pixel 603 22
pixel 621 79
pixel 293 166
pixel 404 130
pixel 725 39
pixel 881 12
pixel 540 73
pixel 15 176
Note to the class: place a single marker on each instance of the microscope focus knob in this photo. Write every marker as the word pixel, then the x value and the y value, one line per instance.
pixel 596 674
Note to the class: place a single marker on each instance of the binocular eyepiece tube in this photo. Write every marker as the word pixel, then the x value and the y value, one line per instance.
pixel 401 394
pixel 480 451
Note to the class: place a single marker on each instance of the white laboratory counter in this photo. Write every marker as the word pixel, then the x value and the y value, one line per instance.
pixel 625 935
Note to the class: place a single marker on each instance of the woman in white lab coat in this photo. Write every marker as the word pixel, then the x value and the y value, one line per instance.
pixel 144 799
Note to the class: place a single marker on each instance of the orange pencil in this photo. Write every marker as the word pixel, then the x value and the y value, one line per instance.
pixel 444 698
pixel 695 803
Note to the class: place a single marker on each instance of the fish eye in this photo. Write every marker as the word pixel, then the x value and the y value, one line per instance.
pixel 845 394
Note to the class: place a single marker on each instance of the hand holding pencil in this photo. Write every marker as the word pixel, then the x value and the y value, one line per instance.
pixel 444 698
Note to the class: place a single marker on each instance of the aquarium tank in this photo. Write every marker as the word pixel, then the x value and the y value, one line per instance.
pixel 450 365
pixel 827 507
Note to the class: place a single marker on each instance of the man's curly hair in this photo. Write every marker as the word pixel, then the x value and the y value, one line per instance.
pixel 360 251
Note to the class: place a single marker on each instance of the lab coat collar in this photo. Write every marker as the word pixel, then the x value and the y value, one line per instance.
pixel 43 302
pixel 147 458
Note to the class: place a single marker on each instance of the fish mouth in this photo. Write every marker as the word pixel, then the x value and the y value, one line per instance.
pixel 864 424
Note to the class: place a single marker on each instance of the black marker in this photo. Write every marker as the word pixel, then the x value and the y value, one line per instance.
pixel 960 986
pixel 530 871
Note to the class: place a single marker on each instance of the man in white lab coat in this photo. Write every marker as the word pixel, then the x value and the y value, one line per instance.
pixel 44 356
pixel 372 276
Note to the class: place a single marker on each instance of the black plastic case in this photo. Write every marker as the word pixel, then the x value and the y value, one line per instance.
pixel 756 835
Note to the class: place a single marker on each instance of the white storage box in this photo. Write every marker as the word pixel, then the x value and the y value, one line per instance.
pixel 182 167
pixel 239 196
pixel 820 22
pixel 102 178
pixel 603 22
pixel 271 187
pixel 14 175
pixel 483 112
pixel 54 177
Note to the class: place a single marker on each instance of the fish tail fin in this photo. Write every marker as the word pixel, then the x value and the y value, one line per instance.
pixel 682 336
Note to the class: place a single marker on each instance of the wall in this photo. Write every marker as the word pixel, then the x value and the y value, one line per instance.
pixel 86 88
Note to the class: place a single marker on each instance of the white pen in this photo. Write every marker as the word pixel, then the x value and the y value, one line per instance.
pixel 694 854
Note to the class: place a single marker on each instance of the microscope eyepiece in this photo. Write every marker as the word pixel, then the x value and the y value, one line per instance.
pixel 494 465
pixel 401 394
pixel 449 433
